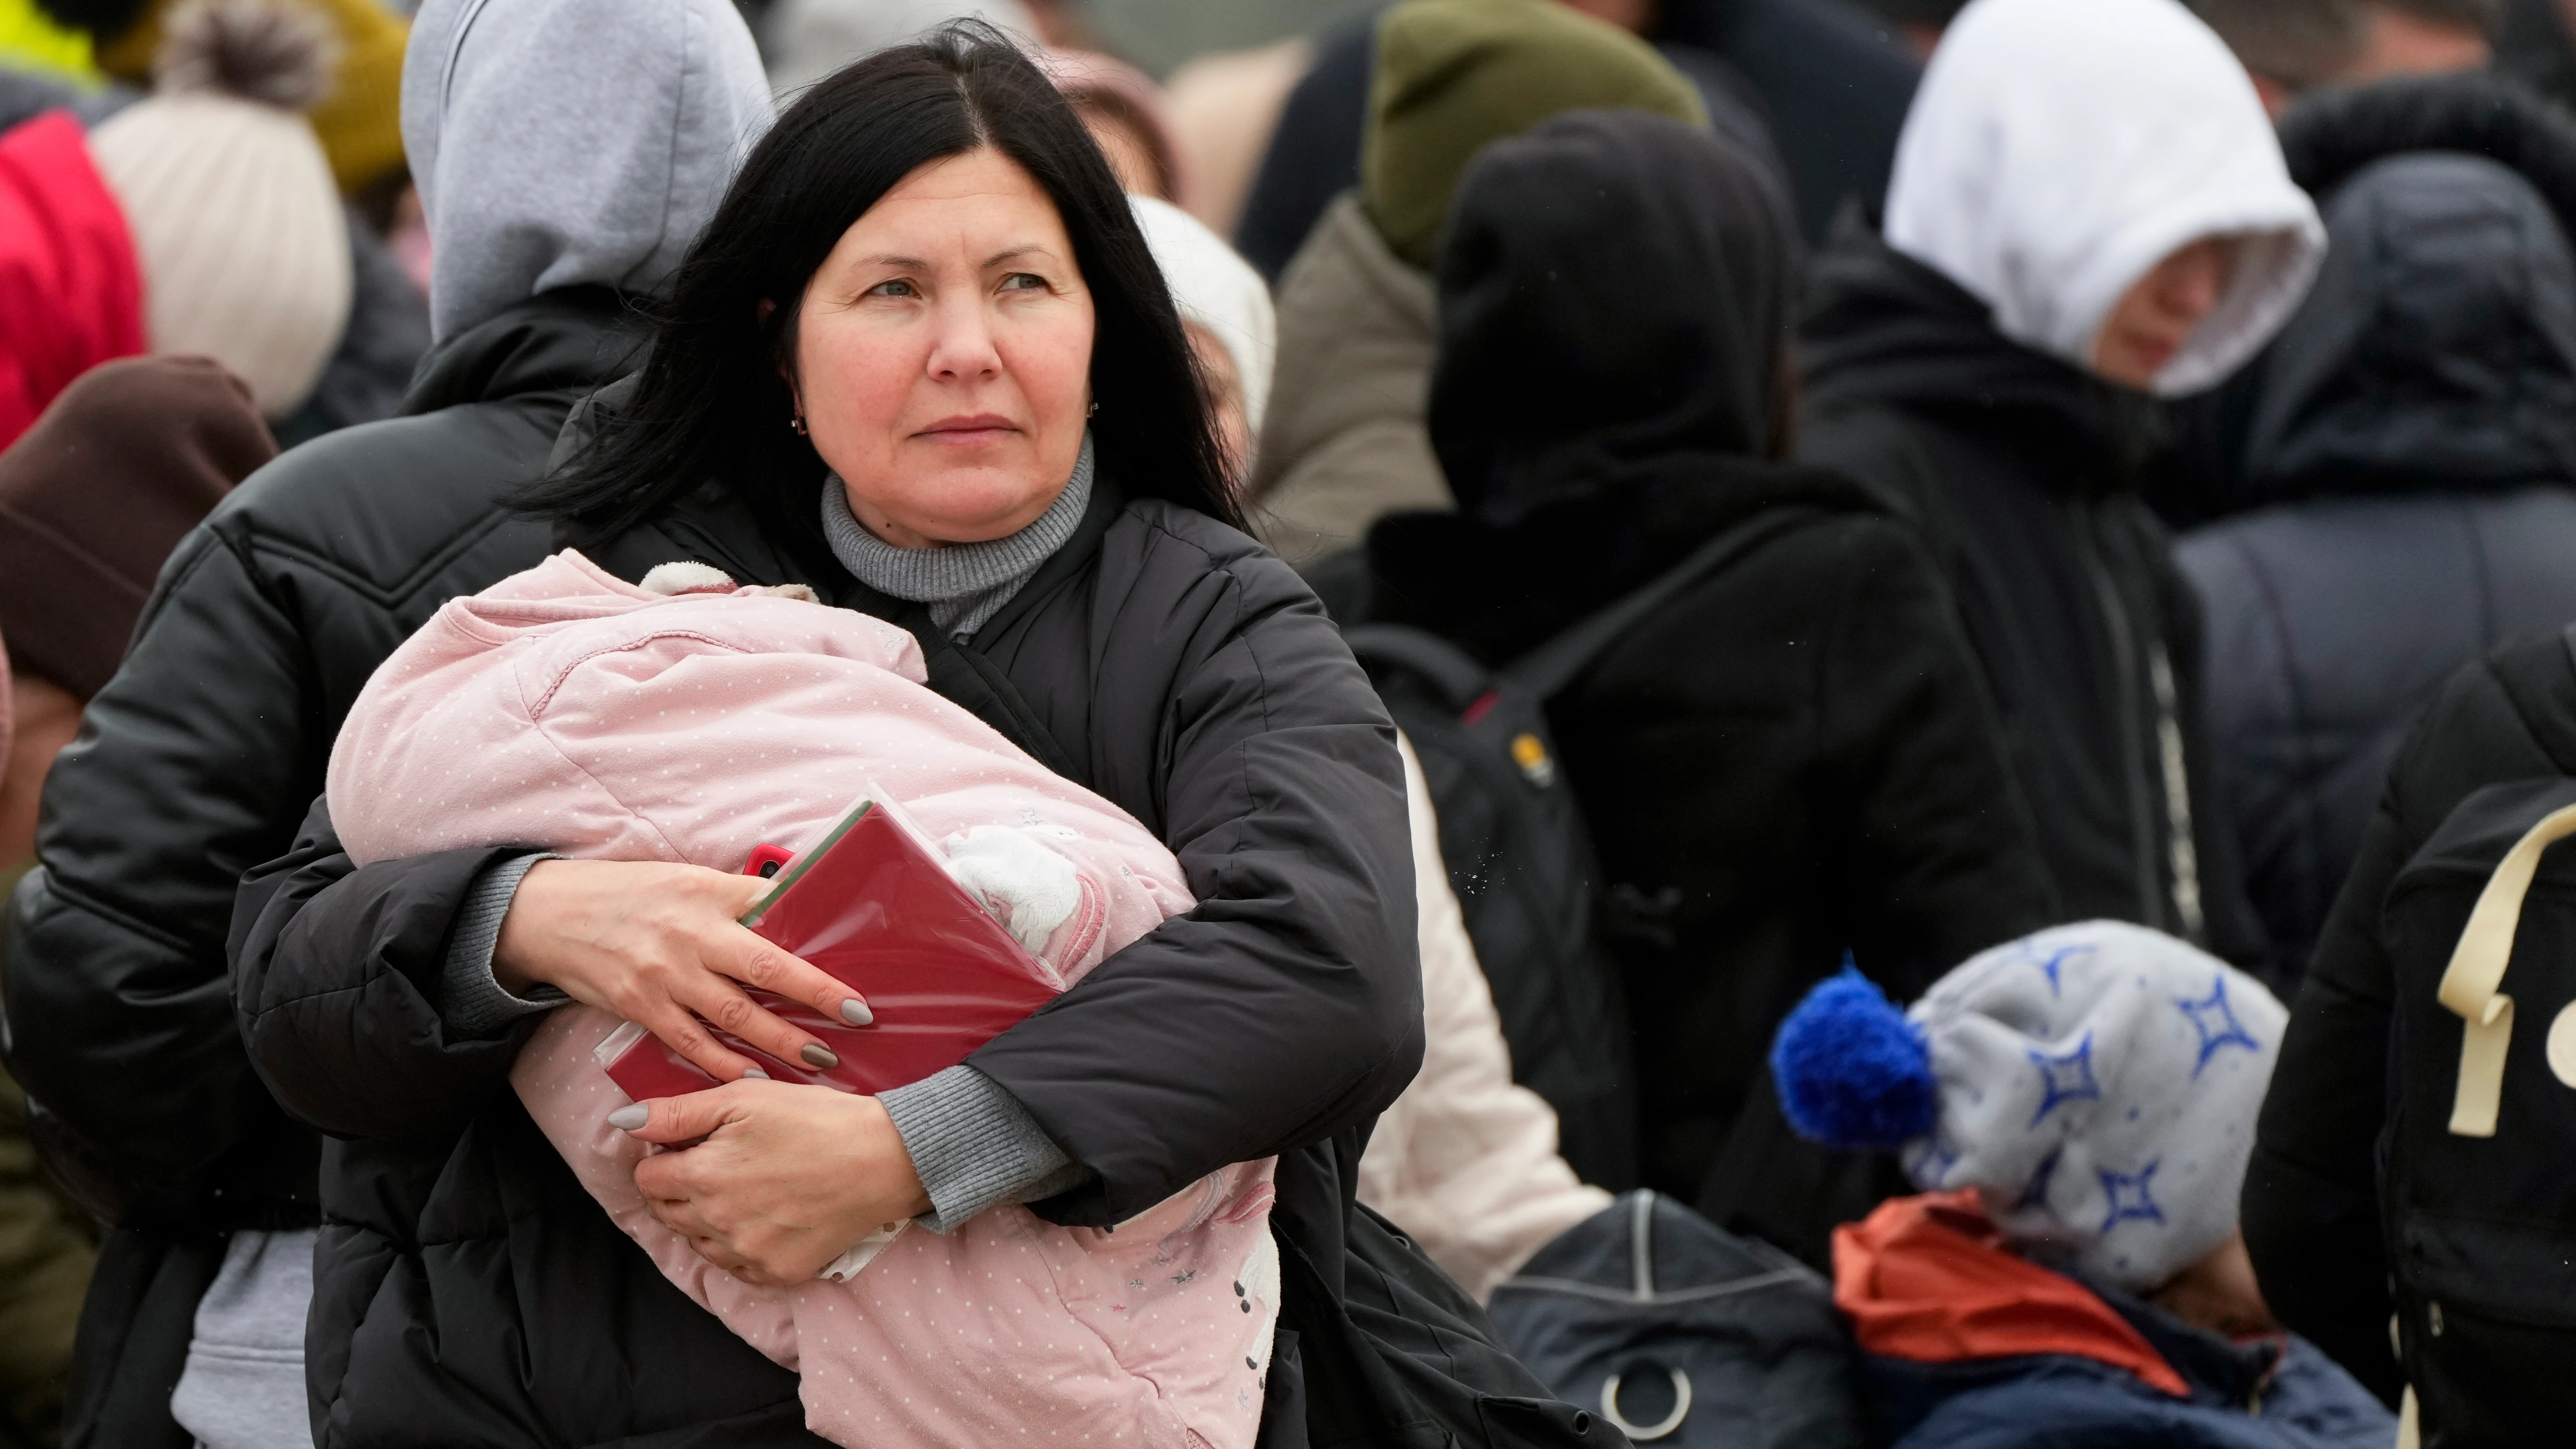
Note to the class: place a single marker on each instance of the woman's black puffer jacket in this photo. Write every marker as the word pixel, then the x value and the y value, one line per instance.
pixel 468 1292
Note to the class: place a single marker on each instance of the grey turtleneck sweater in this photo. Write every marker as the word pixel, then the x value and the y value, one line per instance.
pixel 972 1143
pixel 963 583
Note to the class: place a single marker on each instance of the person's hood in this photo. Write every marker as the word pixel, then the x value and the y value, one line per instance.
pixel 578 339
pixel 1453 76
pixel 2329 137
pixel 2057 152
pixel 1500 592
pixel 1615 297
pixel 563 142
pixel 1615 300
pixel 2434 352
pixel 1882 329
pixel 1940 1305
pixel 2438 349
pixel 1932 1280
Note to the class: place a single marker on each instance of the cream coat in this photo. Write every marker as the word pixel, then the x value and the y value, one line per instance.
pixel 1466 1160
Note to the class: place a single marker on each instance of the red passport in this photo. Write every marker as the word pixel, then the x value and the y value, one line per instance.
pixel 872 905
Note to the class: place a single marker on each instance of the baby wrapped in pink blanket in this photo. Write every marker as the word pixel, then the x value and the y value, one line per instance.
pixel 566 709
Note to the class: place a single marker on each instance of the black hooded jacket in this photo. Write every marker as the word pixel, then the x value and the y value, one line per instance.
pixel 2436 411
pixel 467 1291
pixel 2312 1206
pixel 2411 446
pixel 196 763
pixel 2020 469
pixel 1794 758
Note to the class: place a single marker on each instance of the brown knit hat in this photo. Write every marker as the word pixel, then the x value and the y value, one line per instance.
pixel 97 493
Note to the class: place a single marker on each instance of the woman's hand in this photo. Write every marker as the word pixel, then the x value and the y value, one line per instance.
pixel 660 945
pixel 788 1177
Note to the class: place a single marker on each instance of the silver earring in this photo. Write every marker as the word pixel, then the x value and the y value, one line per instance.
pixel 1095 409
pixel 796 425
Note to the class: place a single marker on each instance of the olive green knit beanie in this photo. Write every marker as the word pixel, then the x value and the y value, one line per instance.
pixel 1454 76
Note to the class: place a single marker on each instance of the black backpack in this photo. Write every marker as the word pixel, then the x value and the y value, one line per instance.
pixel 1681 1333
pixel 2477 1184
pixel 1518 854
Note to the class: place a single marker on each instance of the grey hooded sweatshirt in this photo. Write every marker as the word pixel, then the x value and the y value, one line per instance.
pixel 563 142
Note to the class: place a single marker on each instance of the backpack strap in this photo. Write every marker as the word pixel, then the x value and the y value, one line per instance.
pixel 1446 667
pixel 2469 984
pixel 1550 667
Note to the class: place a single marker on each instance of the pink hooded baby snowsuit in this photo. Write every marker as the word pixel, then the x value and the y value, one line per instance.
pixel 566 709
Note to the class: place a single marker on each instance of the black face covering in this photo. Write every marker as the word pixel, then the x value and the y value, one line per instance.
pixel 1615 300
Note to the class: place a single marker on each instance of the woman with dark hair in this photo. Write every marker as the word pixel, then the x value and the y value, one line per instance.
pixel 921 363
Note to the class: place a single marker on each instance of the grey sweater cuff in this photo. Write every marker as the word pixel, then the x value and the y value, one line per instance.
pixel 471 1001
pixel 975 1146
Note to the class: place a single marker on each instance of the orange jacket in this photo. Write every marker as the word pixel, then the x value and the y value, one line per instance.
pixel 1930 1279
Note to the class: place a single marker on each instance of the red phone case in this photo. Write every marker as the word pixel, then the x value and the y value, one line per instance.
pixel 871 905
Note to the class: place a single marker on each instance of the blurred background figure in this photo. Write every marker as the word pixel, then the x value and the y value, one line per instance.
pixel 1125 113
pixel 2089 212
pixel 1343 441
pixel 2537 46
pixel 1817 87
pixel 2077 1107
pixel 1788 759
pixel 2408 455
pixel 68 280
pixel 2292 47
pixel 92 499
pixel 1224 108
pixel 2407 458
pixel 803 41
pixel 241 242
pixel 356 114
pixel 1225 308
pixel 238 235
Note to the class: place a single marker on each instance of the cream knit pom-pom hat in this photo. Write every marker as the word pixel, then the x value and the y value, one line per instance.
pixel 237 223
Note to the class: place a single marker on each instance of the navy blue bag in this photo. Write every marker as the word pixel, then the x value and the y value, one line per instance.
pixel 1683 1334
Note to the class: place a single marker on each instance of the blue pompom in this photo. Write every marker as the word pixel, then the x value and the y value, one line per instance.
pixel 1853 1073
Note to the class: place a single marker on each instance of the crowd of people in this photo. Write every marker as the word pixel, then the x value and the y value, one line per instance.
pixel 1718 722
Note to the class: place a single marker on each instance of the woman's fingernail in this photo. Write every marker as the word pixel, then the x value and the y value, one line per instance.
pixel 856 1013
pixel 628 1118
pixel 819 1057
pixel 755 1072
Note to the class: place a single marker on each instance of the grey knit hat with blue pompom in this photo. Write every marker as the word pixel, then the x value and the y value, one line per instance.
pixel 2097 1085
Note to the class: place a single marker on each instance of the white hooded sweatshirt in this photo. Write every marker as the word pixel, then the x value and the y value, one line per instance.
pixel 2059 149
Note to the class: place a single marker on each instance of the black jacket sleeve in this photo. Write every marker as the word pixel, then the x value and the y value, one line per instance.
pixel 193 764
pixel 2311 1201
pixel 1287 1007
pixel 335 980
pixel 1943 860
